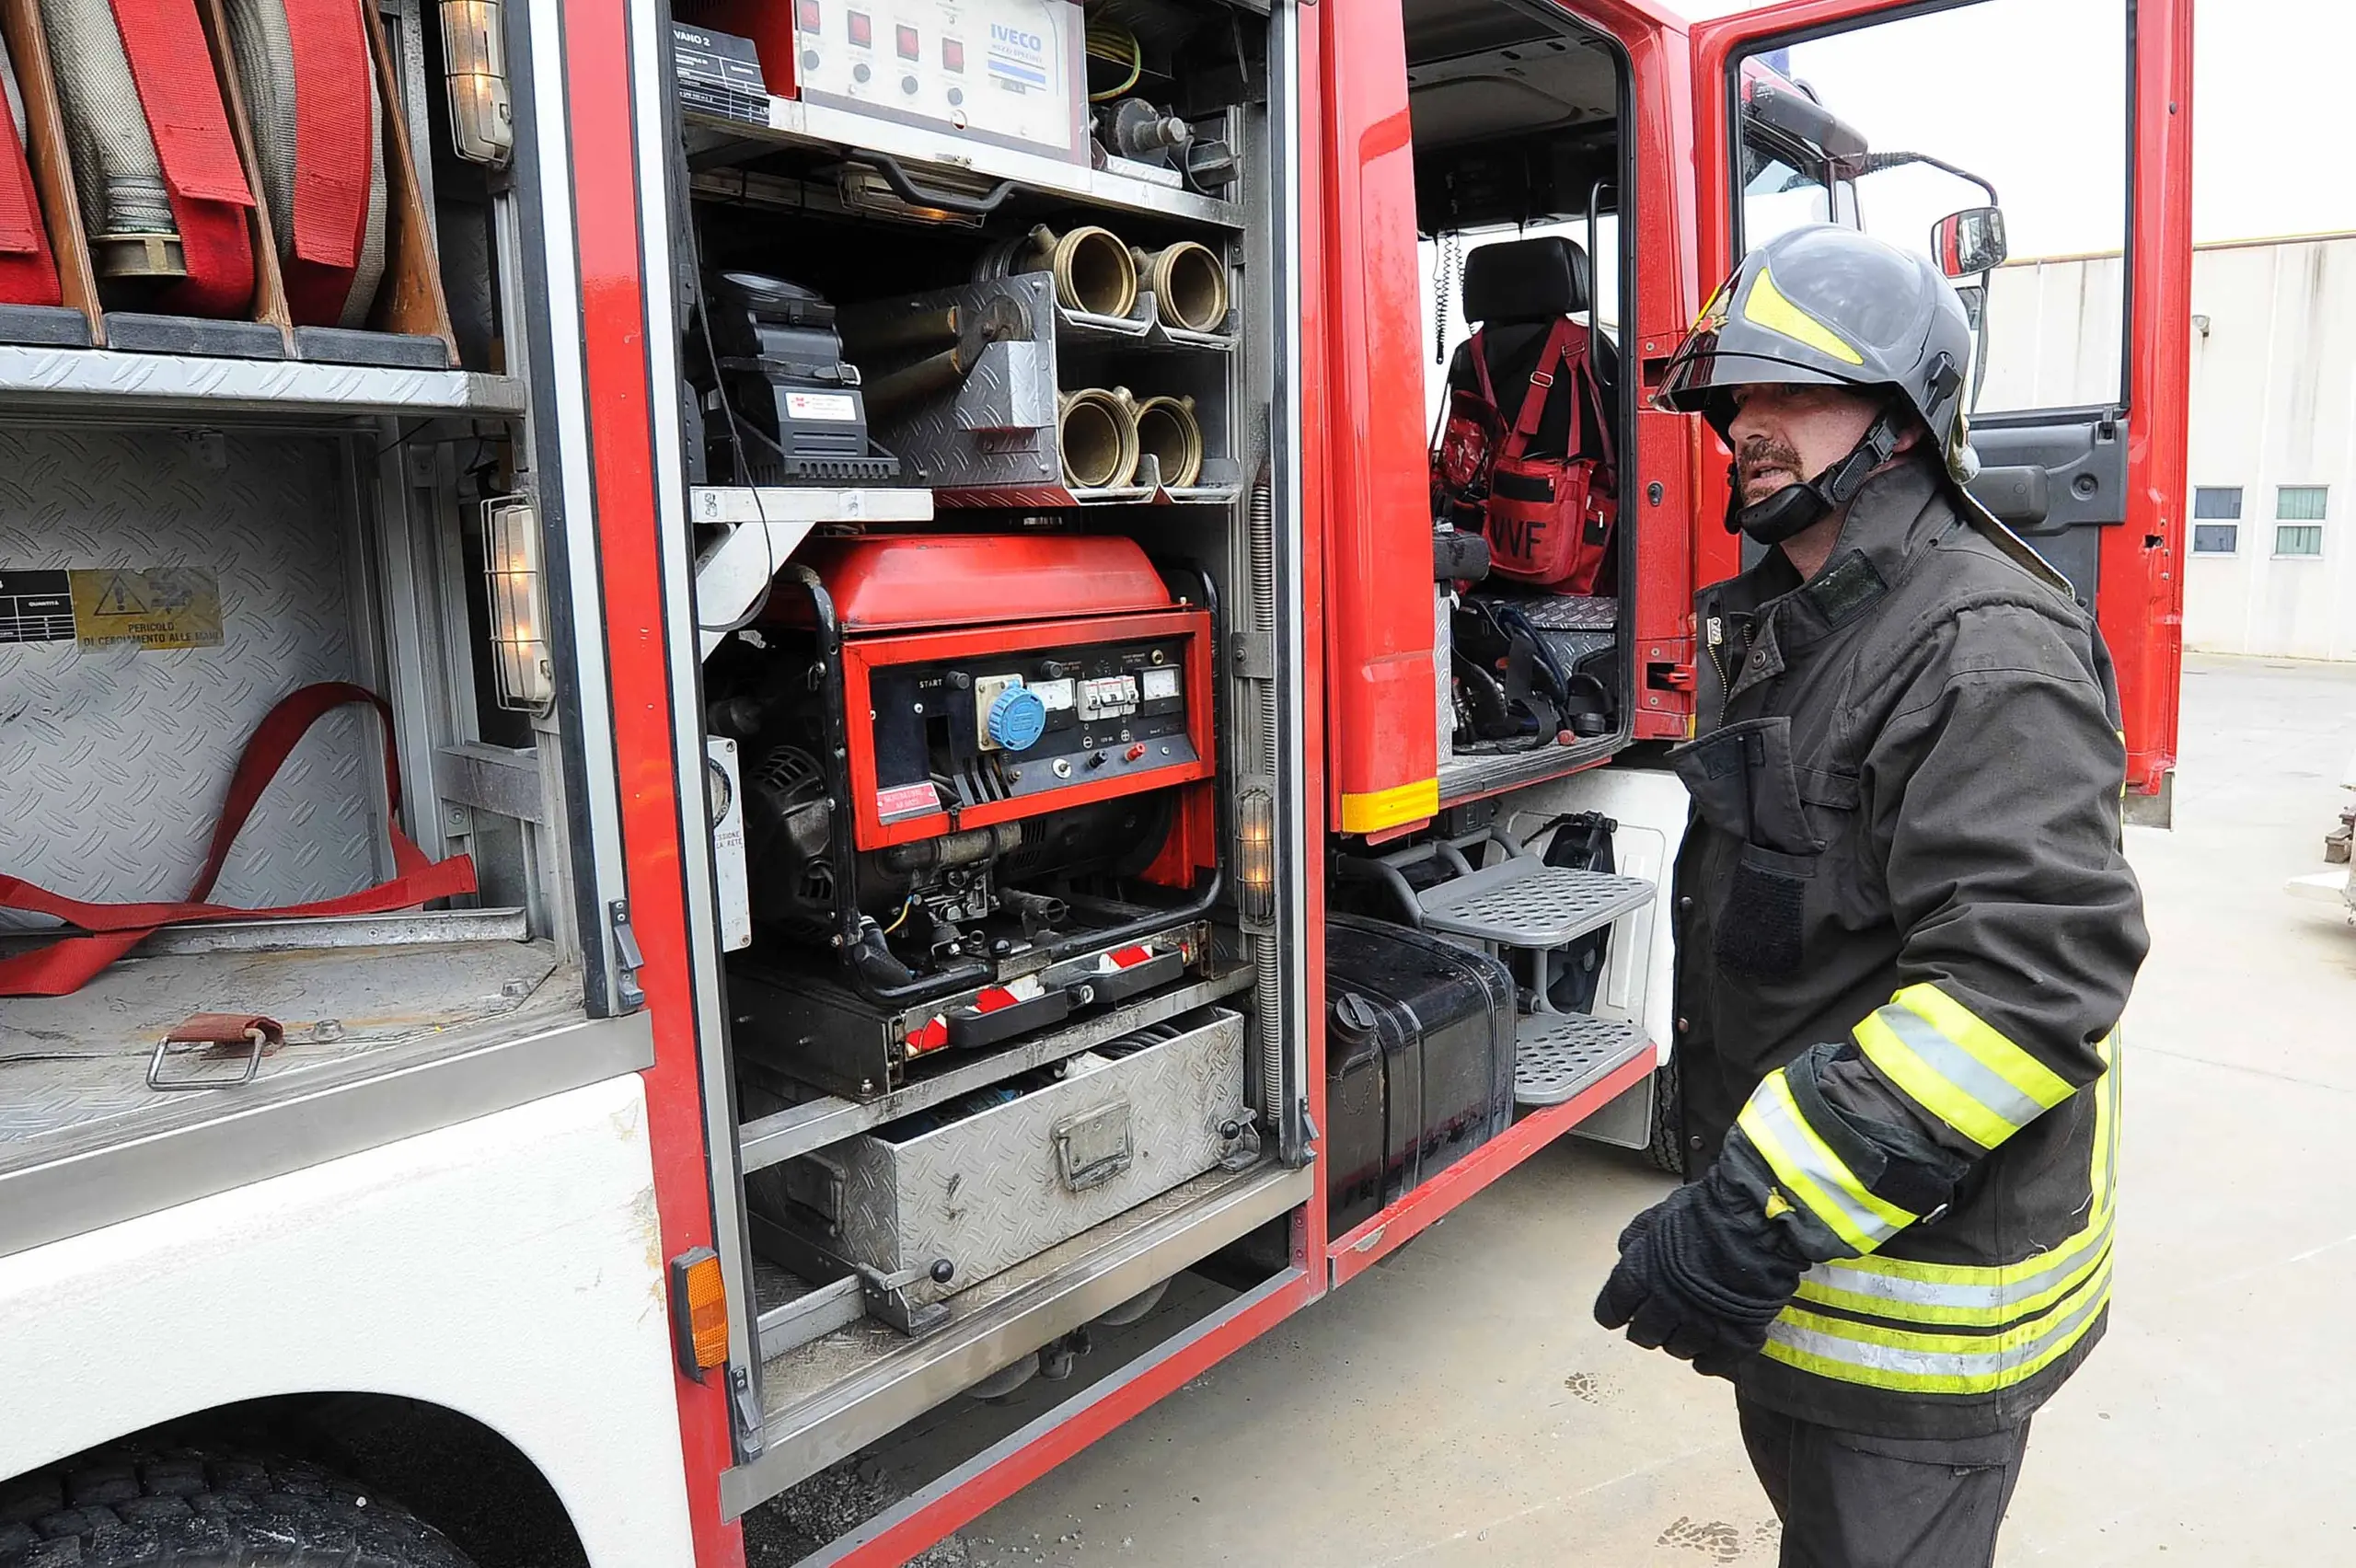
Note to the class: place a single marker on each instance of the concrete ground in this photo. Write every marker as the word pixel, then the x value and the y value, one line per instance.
pixel 1458 1406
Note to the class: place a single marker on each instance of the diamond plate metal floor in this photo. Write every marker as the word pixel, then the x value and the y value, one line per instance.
pixel 1557 1055
pixel 73 1069
pixel 1524 903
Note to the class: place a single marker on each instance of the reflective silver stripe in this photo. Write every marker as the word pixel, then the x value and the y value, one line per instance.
pixel 1793 1148
pixel 1960 1068
pixel 1968 1297
pixel 1974 1364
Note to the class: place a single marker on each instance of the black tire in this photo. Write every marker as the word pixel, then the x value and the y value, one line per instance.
pixel 1667 1149
pixel 185 1509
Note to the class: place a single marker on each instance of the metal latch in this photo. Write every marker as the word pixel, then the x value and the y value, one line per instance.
pixel 626 949
pixel 746 1407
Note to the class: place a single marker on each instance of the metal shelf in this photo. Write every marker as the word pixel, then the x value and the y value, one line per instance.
pixel 712 139
pixel 832 1395
pixel 109 379
pixel 769 1140
pixel 762 527
pixel 1472 777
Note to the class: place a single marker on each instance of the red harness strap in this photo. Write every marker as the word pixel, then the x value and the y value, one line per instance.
pixel 27 270
pixel 65 966
pixel 172 66
pixel 335 149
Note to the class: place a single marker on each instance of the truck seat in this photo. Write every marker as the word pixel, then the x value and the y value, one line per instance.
pixel 1513 293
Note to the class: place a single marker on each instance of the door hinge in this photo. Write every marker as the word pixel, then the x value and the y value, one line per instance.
pixel 744 1406
pixel 632 960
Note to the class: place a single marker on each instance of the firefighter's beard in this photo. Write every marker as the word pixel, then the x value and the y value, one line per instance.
pixel 1764 467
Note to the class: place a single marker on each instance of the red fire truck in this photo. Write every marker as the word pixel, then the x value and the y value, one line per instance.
pixel 939 852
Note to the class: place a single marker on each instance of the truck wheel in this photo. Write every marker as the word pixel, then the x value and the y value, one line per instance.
pixel 183 1509
pixel 1667 1149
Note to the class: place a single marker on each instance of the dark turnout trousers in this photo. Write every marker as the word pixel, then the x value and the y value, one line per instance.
pixel 1849 1501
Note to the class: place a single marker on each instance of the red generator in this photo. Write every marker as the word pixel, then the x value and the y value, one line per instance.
pixel 977 794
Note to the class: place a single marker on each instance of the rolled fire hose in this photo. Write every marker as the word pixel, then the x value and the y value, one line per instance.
pixel 1093 270
pixel 1188 283
pixel 27 267
pixel 310 91
pixel 1097 430
pixel 1167 432
pixel 957 334
pixel 163 190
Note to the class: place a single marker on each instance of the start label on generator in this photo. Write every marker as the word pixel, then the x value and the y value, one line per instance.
pixel 156 607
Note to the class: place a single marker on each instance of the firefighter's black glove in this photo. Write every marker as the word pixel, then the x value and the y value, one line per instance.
pixel 1701 1275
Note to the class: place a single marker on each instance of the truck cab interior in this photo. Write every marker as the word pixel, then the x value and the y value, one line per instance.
pixel 1519 166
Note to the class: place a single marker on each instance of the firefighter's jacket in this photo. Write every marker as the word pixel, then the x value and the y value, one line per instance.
pixel 1905 936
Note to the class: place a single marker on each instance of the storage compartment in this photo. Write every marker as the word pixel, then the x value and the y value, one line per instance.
pixel 202 241
pixel 945 1199
pixel 976 401
pixel 242 665
pixel 1419 1060
pixel 1522 183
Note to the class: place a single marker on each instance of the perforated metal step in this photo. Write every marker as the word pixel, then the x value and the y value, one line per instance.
pixel 1557 1055
pixel 1524 903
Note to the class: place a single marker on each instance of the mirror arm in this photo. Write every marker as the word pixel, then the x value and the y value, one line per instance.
pixel 1872 163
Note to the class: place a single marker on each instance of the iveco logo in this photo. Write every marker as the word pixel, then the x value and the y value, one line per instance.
pixel 1001 33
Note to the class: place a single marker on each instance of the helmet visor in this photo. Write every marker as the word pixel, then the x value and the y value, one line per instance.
pixel 1730 348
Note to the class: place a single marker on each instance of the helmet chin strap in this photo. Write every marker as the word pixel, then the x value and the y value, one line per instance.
pixel 1802 504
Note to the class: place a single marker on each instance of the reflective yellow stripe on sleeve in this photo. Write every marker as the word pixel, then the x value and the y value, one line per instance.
pixel 1957 1067
pixel 1815 1176
pixel 1986 1295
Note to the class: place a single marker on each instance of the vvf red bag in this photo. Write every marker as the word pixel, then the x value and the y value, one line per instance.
pixel 28 269
pixel 1549 519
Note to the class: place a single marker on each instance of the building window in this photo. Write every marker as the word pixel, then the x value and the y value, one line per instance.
pixel 2217 502
pixel 2299 504
pixel 2298 540
pixel 2216 520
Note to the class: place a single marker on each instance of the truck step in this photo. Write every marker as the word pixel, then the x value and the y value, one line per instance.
pixel 1524 903
pixel 1557 1055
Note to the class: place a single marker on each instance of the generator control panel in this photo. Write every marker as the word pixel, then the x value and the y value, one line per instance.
pixel 1004 71
pixel 969 738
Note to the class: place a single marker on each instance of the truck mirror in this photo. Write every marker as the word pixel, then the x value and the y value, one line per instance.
pixel 1971 242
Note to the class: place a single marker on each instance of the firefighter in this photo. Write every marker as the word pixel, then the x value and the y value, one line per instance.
pixel 1905 933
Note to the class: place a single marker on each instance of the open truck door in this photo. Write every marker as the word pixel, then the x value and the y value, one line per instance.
pixel 1908 121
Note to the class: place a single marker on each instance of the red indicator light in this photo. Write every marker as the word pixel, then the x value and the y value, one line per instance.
pixel 809 15
pixel 905 37
pixel 952 54
pixel 862 31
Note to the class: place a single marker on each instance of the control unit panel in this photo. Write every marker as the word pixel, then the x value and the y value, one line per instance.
pixel 967 738
pixel 1006 71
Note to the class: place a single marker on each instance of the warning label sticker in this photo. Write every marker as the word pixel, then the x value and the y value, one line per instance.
pixel 899 801
pixel 36 606
pixel 162 607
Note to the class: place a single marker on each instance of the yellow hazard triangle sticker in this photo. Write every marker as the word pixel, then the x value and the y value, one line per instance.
pixel 1766 307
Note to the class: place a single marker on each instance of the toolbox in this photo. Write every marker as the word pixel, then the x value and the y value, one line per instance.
pixel 939 1200
pixel 1419 1060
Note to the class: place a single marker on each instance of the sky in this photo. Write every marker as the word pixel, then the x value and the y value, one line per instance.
pixel 2029 94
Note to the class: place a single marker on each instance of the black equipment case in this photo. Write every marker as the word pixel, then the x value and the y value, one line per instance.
pixel 1419 1060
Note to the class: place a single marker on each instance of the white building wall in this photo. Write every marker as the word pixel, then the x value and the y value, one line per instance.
pixel 2273 404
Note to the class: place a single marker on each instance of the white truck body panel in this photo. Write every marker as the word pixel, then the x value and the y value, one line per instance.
pixel 507 1267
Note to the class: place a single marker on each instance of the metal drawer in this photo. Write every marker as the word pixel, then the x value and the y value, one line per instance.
pixel 1003 1181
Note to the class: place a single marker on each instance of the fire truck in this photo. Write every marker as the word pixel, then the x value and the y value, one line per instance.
pixel 723 727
